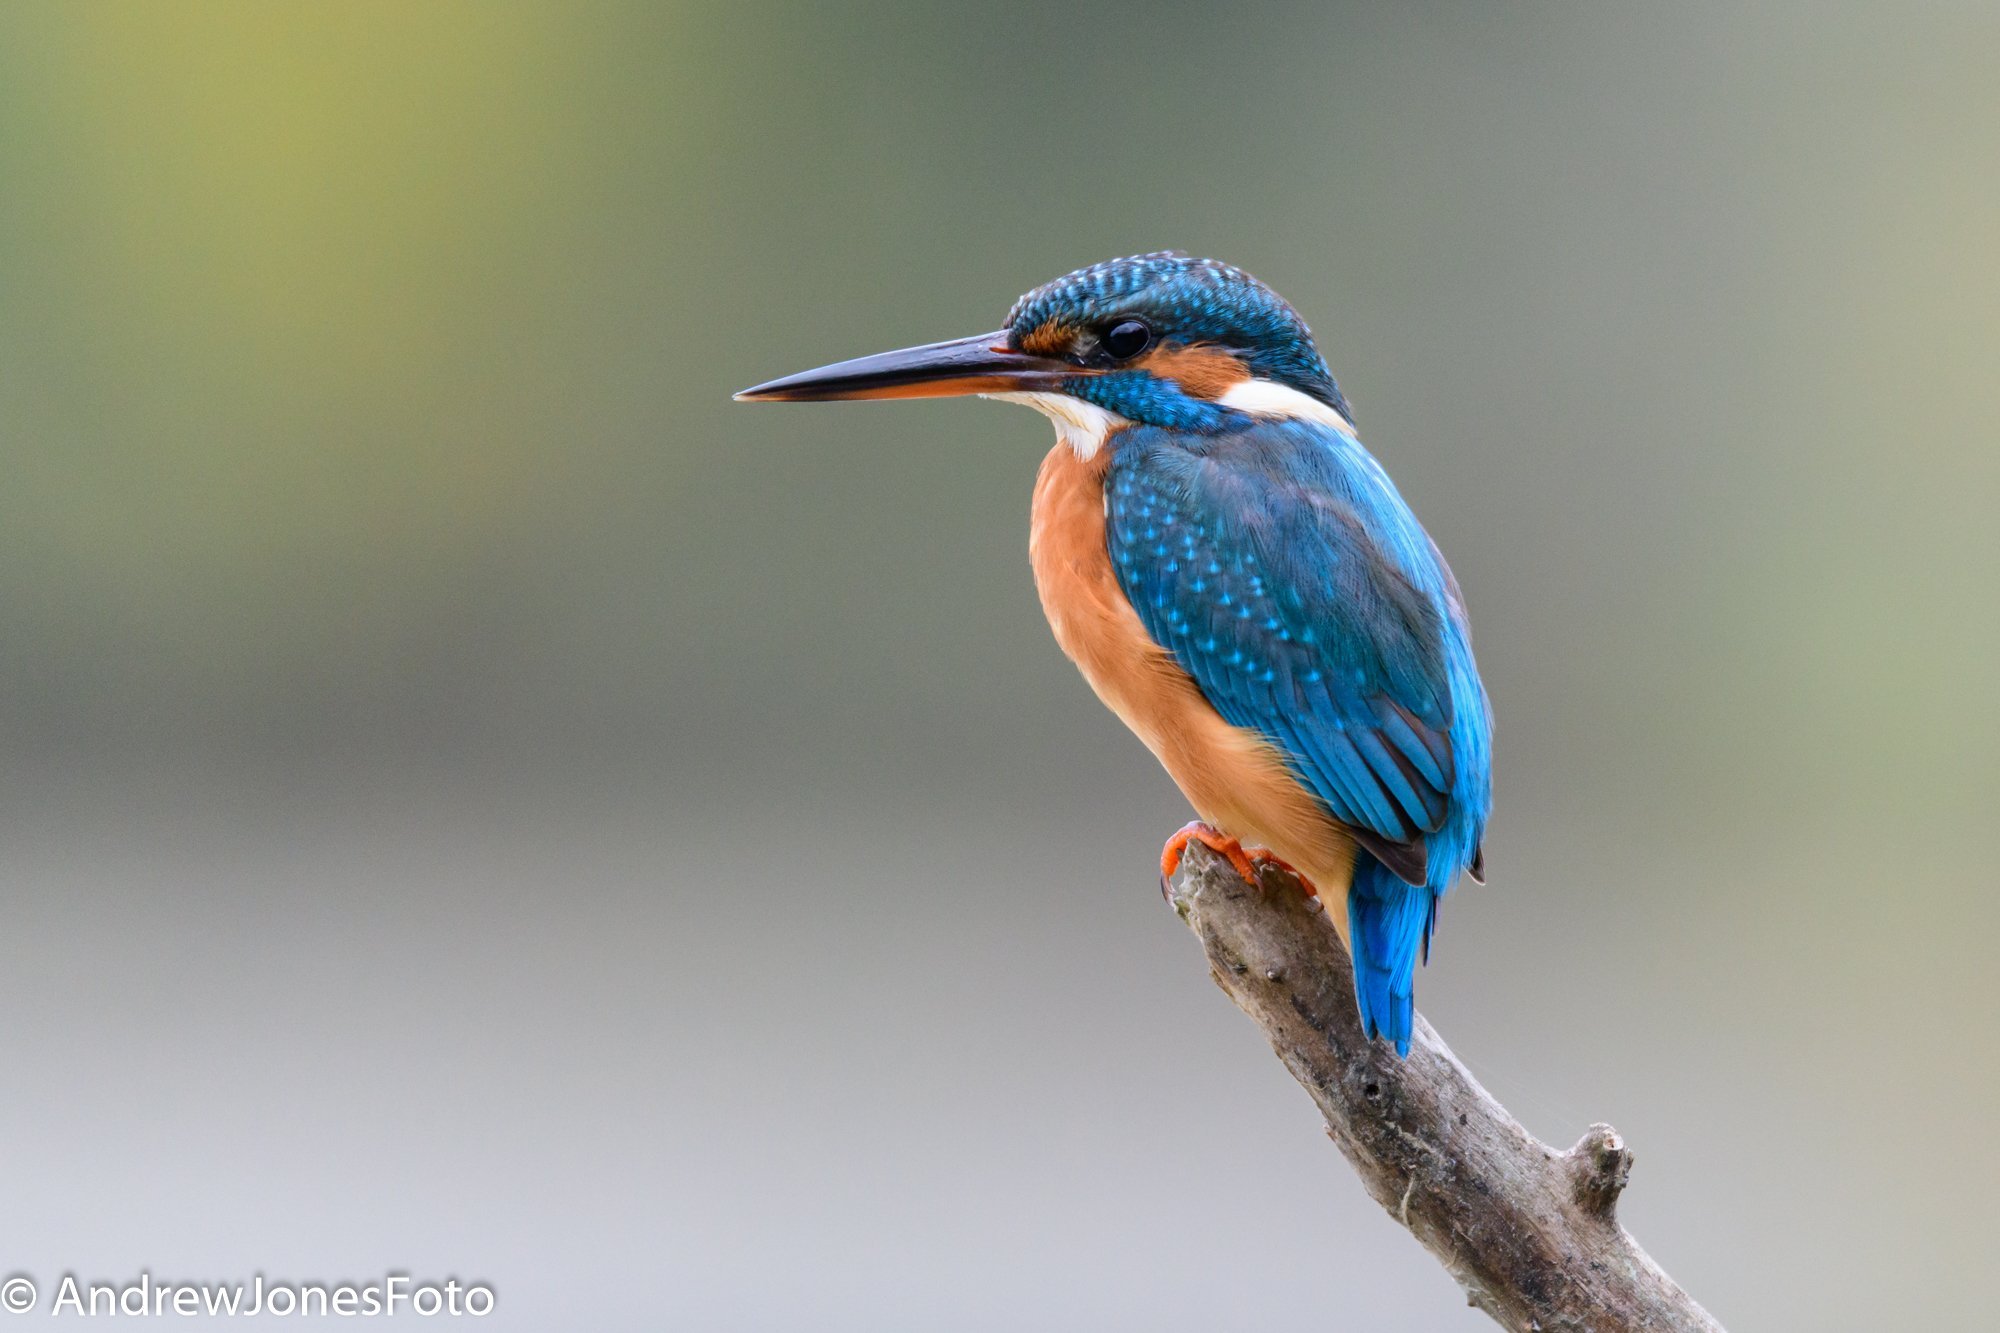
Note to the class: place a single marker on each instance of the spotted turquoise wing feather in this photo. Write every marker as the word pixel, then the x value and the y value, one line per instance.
pixel 1280 568
pixel 1270 592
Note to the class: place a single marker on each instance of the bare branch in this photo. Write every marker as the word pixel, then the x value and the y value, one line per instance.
pixel 1530 1233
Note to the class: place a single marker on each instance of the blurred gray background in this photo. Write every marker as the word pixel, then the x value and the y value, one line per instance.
pixel 478 802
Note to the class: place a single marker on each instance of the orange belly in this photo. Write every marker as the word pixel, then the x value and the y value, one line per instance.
pixel 1234 779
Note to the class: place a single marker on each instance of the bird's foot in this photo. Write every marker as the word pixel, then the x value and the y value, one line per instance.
pixel 1262 857
pixel 1248 864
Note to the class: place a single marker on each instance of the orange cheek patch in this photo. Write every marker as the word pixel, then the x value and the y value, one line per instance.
pixel 1201 371
pixel 1049 338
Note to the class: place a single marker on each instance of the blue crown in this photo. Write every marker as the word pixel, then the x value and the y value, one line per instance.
pixel 1187 300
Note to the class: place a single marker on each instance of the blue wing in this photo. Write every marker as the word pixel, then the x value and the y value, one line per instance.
pixel 1277 569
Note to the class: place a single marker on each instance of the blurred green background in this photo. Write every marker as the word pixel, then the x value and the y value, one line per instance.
pixel 481 802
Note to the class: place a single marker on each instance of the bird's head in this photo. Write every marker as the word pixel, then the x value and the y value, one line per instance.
pixel 1160 339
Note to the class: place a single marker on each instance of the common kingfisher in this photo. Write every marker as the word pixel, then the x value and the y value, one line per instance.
pixel 1240 581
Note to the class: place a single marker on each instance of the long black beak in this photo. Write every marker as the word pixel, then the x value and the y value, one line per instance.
pixel 980 364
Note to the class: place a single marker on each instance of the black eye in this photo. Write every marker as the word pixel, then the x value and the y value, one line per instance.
pixel 1127 339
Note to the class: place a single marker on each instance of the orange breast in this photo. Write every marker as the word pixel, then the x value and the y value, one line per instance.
pixel 1232 777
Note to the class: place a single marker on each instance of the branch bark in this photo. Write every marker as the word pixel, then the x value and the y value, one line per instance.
pixel 1530 1233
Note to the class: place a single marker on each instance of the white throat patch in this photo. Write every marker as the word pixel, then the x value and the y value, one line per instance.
pixel 1268 398
pixel 1080 425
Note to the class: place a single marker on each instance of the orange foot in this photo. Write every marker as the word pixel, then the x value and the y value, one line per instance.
pixel 1247 863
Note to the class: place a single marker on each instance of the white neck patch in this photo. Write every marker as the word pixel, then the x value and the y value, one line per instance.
pixel 1268 398
pixel 1080 425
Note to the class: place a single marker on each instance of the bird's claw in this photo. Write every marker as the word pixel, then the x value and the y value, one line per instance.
pixel 1248 864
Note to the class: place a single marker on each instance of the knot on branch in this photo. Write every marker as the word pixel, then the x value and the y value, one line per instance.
pixel 1599 1166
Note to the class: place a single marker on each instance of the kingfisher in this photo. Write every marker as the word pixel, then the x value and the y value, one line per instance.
pixel 1241 583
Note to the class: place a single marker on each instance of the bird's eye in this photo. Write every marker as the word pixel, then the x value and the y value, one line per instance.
pixel 1127 339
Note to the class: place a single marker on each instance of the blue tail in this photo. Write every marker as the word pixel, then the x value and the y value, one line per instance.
pixel 1389 922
